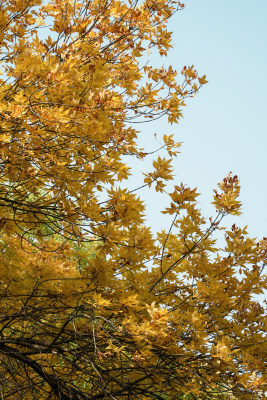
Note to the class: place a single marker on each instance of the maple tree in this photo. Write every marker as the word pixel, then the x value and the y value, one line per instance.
pixel 93 304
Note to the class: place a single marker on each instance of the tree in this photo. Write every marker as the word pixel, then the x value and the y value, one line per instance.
pixel 93 305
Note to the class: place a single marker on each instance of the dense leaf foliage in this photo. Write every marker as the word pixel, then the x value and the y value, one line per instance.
pixel 93 305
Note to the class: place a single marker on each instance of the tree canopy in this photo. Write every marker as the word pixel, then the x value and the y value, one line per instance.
pixel 93 304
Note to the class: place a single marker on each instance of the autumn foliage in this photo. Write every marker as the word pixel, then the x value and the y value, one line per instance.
pixel 93 304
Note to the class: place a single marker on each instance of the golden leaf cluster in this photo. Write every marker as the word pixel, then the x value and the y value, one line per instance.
pixel 93 305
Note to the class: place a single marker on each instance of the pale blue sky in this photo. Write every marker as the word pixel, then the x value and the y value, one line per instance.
pixel 224 127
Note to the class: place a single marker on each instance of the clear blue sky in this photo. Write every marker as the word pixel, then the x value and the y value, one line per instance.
pixel 224 127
